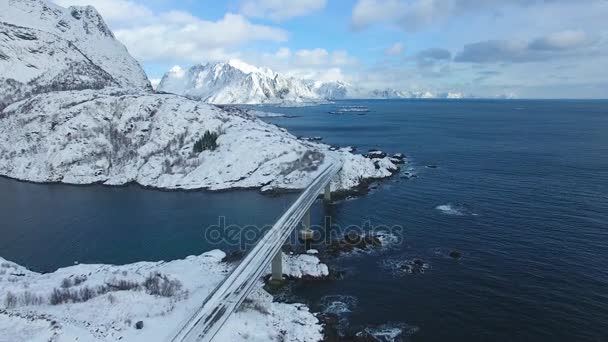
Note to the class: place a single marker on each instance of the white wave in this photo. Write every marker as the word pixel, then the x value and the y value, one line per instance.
pixel 338 304
pixel 401 267
pixel 390 332
pixel 455 210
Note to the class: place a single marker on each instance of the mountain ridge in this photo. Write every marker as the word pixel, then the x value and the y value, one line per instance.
pixel 49 48
pixel 236 82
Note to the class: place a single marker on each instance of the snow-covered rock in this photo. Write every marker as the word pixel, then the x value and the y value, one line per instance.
pixel 235 82
pixel 114 136
pixel 45 47
pixel 303 266
pixel 117 297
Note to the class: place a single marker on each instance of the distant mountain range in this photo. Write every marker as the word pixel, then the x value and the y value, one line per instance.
pixel 236 82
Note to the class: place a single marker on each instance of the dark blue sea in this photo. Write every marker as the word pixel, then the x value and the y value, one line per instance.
pixel 523 186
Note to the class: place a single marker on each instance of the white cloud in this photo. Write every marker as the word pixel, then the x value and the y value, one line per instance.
pixel 283 53
pixel 395 49
pixel 563 40
pixel 316 64
pixel 321 57
pixel 412 15
pixel 177 36
pixel 552 46
pixel 281 9
pixel 182 37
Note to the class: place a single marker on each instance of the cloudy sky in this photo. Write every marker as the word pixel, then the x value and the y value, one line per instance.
pixel 526 48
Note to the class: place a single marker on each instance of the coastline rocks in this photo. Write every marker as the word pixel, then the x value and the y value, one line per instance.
pixel 354 241
pixel 373 154
pixel 315 138
pixel 402 267
pixel 398 158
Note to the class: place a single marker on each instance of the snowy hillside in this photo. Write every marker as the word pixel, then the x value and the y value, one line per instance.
pixel 44 47
pixel 107 302
pixel 115 136
pixel 235 82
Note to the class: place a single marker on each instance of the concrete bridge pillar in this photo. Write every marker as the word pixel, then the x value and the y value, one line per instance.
pixel 306 234
pixel 277 268
pixel 327 194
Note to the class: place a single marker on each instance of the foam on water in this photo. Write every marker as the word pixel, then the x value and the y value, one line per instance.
pixel 338 304
pixel 341 306
pixel 400 267
pixel 455 210
pixel 392 332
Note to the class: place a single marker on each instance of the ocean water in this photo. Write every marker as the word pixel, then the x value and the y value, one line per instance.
pixel 520 188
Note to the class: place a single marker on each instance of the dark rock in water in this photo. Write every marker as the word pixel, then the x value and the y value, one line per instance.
pixel 415 266
pixel 354 241
pixel 455 254
pixel 336 247
pixel 330 324
pixel 397 161
pixel 372 240
pixel 375 154
pixel 139 325
pixel 431 166
pixel 317 138
pixel 352 238
pixel 399 156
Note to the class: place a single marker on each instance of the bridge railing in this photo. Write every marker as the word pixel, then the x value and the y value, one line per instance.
pixel 231 292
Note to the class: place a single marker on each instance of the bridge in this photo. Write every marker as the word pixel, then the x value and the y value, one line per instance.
pixel 230 293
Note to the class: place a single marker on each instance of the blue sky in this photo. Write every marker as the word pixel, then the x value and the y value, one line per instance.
pixel 523 48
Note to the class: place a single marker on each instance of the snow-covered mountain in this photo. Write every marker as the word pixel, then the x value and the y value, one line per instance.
pixel 45 47
pixel 113 136
pixel 236 82
pixel 77 108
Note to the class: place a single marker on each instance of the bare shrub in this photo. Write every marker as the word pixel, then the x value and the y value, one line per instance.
pixel 112 299
pixel 28 298
pixel 79 280
pixel 10 301
pixel 66 283
pixel 123 285
pixel 86 293
pixel 249 304
pixel 161 285
pixel 62 296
